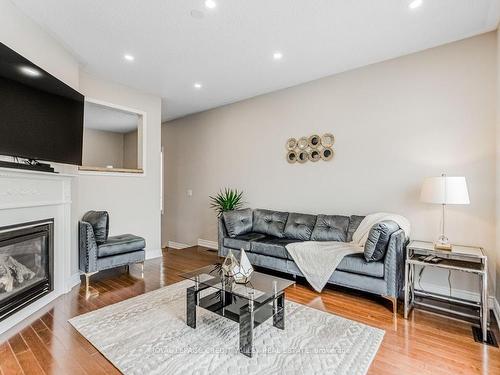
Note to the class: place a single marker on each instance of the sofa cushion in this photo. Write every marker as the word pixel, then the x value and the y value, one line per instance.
pixel 242 241
pixel 354 222
pixel 124 243
pixel 378 239
pixel 330 228
pixel 100 224
pixel 272 246
pixel 299 226
pixel 238 221
pixel 269 222
pixel 356 263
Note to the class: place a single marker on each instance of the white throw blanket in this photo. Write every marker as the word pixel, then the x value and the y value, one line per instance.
pixel 318 260
pixel 360 236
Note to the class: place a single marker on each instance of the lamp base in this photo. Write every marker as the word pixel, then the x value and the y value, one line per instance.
pixel 442 243
pixel 440 246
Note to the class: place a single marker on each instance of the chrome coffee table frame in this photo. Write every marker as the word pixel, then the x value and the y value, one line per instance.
pixel 250 304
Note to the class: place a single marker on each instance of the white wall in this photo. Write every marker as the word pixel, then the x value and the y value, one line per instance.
pixel 133 201
pixel 395 123
pixel 24 36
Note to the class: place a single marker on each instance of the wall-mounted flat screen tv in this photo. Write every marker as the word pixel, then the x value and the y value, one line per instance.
pixel 41 117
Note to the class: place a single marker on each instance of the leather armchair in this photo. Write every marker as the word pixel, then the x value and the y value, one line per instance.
pixel 98 251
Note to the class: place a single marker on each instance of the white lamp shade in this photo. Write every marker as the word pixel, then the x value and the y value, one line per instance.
pixel 445 190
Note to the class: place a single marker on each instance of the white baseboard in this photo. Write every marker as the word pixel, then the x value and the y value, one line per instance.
pixel 463 294
pixel 205 243
pixel 73 281
pixel 445 290
pixel 177 245
pixel 209 244
pixel 153 253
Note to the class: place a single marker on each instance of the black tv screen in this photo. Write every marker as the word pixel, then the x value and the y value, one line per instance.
pixel 40 116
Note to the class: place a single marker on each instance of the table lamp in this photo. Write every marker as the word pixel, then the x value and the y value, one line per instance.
pixel 444 190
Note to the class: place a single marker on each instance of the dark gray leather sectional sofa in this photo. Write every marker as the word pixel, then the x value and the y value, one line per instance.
pixel 264 234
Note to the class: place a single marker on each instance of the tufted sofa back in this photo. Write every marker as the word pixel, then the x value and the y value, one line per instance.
pixel 270 222
pixel 295 226
pixel 330 228
pixel 299 226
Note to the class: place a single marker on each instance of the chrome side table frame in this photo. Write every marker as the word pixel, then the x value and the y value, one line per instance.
pixel 460 258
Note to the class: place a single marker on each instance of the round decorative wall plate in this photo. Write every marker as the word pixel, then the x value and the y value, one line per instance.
pixel 326 153
pixel 312 148
pixel 315 155
pixel 291 157
pixel 291 143
pixel 302 157
pixel 303 143
pixel 314 141
pixel 327 140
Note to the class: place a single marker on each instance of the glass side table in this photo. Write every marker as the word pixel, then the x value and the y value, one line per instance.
pixel 461 258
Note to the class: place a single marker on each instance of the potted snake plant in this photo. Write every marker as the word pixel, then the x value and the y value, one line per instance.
pixel 226 200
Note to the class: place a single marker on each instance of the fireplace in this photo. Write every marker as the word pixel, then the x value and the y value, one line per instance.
pixel 26 264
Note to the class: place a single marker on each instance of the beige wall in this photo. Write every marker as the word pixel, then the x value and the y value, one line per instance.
pixel 498 173
pixel 130 150
pixel 102 148
pixel 395 123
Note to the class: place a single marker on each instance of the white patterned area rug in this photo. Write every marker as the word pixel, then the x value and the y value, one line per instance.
pixel 148 334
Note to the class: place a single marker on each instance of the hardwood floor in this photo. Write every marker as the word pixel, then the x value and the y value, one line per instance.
pixel 424 344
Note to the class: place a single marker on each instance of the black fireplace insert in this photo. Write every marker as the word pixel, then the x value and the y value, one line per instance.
pixel 26 264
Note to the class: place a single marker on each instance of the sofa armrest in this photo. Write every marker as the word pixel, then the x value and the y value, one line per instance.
pixel 87 248
pixel 394 263
pixel 222 233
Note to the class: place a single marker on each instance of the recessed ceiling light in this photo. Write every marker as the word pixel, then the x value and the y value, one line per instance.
pixel 128 57
pixel 277 55
pixel 30 71
pixel 415 4
pixel 210 4
pixel 197 85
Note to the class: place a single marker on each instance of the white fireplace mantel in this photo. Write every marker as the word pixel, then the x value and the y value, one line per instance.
pixel 30 196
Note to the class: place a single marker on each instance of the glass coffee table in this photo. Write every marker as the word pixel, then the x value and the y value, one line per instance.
pixel 249 304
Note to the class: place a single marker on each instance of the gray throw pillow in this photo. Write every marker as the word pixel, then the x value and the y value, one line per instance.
pixel 299 226
pixel 378 239
pixel 354 222
pixel 269 222
pixel 330 228
pixel 238 221
pixel 100 224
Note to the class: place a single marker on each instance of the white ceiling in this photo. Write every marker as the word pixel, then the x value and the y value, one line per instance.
pixel 229 50
pixel 109 119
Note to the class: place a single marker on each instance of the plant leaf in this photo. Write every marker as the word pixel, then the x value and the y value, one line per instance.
pixel 226 200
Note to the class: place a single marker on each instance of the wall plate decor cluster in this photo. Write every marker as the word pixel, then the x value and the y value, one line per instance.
pixel 313 148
